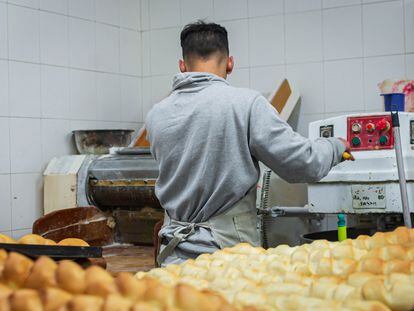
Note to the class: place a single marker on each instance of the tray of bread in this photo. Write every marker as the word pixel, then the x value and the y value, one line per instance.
pixel 34 245
pixel 366 273
pixel 46 285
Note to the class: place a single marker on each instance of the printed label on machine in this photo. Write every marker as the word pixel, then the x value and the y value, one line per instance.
pixel 368 197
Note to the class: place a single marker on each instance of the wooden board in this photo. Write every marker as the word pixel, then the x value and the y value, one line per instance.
pixel 281 96
pixel 128 258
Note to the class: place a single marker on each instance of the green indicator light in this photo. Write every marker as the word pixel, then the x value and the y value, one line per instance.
pixel 383 140
pixel 356 141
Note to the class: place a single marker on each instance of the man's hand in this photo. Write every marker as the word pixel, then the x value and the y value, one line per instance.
pixel 347 155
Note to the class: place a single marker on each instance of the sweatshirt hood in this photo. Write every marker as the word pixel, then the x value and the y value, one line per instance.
pixel 194 81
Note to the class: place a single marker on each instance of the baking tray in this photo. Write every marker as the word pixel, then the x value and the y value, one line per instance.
pixel 56 252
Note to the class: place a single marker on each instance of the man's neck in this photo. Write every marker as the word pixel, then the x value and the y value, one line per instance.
pixel 210 67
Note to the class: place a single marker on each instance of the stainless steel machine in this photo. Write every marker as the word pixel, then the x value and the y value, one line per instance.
pixel 120 184
pixel 367 190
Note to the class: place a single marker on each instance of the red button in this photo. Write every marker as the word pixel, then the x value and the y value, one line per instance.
pixel 383 125
pixel 370 127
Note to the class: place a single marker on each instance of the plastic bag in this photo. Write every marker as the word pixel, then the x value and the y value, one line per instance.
pixel 400 86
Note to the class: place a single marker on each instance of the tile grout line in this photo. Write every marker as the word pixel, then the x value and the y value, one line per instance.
pixel 9 121
pixel 323 64
pixel 363 59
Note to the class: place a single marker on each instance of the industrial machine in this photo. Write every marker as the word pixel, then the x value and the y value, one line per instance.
pixel 366 190
pixel 371 183
pixel 122 185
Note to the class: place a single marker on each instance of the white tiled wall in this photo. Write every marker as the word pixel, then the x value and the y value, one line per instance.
pixel 334 51
pixel 64 65
pixel 71 64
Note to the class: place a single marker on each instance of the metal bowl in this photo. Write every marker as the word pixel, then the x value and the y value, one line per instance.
pixel 100 141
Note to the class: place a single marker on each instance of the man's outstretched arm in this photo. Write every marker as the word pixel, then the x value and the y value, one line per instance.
pixel 290 155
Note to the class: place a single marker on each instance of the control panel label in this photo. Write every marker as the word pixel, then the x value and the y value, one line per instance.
pixel 368 197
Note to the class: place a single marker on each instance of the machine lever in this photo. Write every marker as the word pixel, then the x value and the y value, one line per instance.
pixel 401 170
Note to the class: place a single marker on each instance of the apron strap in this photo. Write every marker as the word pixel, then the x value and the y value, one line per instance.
pixel 180 235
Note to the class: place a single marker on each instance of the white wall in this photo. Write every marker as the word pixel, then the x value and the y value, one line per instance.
pixel 334 51
pixel 64 65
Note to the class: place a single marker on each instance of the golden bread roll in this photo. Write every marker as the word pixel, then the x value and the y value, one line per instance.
pixel 25 300
pixel 32 239
pixel 84 302
pixel 70 277
pixel 99 282
pixel 73 242
pixel 6 239
pixel 50 242
pixel 188 298
pixel 16 270
pixel 4 304
pixel 130 287
pixel 5 291
pixel 145 306
pixel 333 271
pixel 54 298
pixel 158 292
pixel 42 274
pixel 116 303
pixel 3 256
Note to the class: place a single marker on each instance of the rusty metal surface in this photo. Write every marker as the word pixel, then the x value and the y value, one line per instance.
pixel 99 141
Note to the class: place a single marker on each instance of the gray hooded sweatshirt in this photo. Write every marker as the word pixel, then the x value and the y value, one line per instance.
pixel 208 138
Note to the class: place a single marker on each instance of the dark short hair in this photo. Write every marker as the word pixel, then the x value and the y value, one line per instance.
pixel 201 40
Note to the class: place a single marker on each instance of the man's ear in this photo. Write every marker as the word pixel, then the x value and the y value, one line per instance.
pixel 181 64
pixel 230 65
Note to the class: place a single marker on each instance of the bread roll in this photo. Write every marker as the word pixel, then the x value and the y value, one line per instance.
pixel 50 242
pixel 188 298
pixel 145 306
pixel 54 298
pixel 116 303
pixel 5 291
pixel 16 270
pixel 84 302
pixel 6 239
pixel 156 291
pixel 130 287
pixel 3 258
pixel 99 282
pixel 42 274
pixel 71 277
pixel 32 239
pixel 73 242
pixel 4 304
pixel 25 300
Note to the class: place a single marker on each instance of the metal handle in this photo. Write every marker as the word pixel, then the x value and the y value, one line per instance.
pixel 401 170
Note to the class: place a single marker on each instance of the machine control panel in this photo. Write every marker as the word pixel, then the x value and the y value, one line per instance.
pixel 370 132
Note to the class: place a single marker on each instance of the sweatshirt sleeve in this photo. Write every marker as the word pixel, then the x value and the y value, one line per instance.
pixel 290 155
